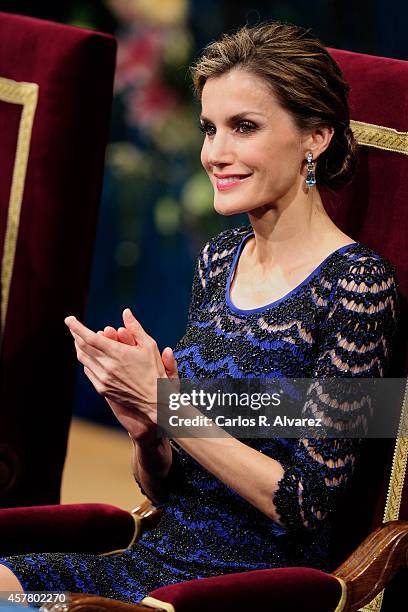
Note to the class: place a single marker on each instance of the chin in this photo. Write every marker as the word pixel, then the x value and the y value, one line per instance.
pixel 227 209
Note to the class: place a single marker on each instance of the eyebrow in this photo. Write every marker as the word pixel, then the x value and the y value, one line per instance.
pixel 235 117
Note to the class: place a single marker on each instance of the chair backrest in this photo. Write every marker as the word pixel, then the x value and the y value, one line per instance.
pixel 55 98
pixel 374 211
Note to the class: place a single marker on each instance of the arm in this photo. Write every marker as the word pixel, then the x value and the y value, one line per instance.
pixel 356 341
pixel 251 474
pixel 151 462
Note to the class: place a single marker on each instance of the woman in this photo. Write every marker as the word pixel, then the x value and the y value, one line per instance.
pixel 290 295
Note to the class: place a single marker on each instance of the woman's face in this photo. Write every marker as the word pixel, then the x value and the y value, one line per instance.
pixel 252 150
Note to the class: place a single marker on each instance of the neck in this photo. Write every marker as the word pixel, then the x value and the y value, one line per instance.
pixel 289 231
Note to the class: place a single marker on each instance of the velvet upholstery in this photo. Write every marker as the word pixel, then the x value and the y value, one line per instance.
pixel 54 235
pixel 287 589
pixel 92 528
pixel 373 210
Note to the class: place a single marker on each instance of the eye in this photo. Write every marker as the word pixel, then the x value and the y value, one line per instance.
pixel 207 128
pixel 242 127
pixel 245 127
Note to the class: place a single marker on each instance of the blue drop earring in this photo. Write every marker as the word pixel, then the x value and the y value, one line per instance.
pixel 310 166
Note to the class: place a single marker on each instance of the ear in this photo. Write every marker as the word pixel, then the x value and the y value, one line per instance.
pixel 317 141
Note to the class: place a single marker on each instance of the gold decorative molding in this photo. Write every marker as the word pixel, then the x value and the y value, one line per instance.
pixel 396 485
pixel 399 465
pixel 343 599
pixel 26 95
pixel 158 604
pixel 136 535
pixel 374 605
pixel 380 137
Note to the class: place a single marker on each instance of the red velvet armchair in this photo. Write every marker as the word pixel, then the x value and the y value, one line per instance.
pixel 55 96
pixel 370 550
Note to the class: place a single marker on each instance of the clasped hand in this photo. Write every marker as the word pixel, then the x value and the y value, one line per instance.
pixel 124 367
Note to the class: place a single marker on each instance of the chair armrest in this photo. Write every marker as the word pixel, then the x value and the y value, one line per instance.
pixel 374 563
pixel 271 589
pixel 90 528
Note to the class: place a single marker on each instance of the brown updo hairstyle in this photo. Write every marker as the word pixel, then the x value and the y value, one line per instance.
pixel 304 78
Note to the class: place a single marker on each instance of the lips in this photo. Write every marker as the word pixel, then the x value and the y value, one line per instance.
pixel 229 176
pixel 226 181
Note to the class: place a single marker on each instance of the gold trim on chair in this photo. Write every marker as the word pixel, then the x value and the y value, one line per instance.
pixel 399 465
pixel 136 534
pixel 25 94
pixel 343 598
pixel 380 137
pixel 152 602
pixel 374 605
pixel 396 485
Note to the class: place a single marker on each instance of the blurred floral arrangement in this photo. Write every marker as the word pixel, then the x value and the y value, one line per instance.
pixel 155 48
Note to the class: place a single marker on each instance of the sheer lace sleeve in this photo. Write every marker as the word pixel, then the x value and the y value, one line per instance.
pixel 213 261
pixel 200 281
pixel 355 341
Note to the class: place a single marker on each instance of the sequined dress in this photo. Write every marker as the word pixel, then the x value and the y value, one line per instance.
pixel 338 322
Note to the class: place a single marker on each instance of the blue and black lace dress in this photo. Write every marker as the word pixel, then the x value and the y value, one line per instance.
pixel 339 322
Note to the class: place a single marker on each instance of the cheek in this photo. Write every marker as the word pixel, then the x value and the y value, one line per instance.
pixel 204 156
pixel 284 159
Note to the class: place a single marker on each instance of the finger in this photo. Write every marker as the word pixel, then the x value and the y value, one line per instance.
pixel 97 341
pixel 142 338
pixel 85 347
pixel 110 332
pixel 169 362
pixel 87 360
pixel 133 325
pixel 126 337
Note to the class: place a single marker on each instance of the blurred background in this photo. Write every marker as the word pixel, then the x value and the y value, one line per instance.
pixel 156 209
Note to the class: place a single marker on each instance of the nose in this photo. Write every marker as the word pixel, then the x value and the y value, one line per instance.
pixel 219 152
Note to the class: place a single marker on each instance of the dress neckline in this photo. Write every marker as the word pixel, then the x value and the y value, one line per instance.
pixel 292 292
